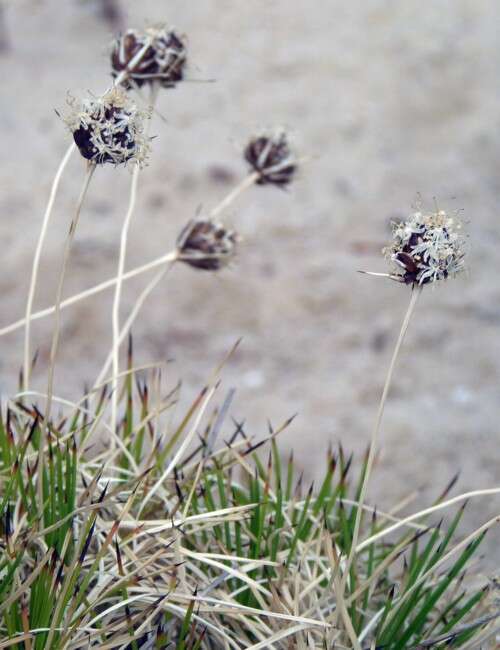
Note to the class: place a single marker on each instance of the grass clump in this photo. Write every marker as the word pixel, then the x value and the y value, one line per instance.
pixel 228 548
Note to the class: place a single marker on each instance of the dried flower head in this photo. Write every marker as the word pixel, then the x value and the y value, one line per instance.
pixel 426 248
pixel 207 245
pixel 157 55
pixel 269 155
pixel 109 129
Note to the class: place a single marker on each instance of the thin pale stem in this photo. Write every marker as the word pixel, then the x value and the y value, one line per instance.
pixel 131 319
pixel 118 337
pixel 247 182
pixel 119 282
pixel 36 264
pixel 139 270
pixel 57 325
pixel 116 302
pixel 92 291
pixel 416 291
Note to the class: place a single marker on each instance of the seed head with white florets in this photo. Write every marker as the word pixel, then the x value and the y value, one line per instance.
pixel 109 128
pixel 425 248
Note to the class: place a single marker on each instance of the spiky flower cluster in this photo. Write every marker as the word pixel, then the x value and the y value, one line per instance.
pixel 157 55
pixel 426 247
pixel 206 244
pixel 270 155
pixel 109 129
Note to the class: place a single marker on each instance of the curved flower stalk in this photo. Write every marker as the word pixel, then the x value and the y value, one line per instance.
pixel 245 184
pixel 156 57
pixel 106 129
pixel 272 162
pixel 425 249
pixel 57 324
pixel 36 265
pixel 205 243
pixel 87 293
pixel 110 129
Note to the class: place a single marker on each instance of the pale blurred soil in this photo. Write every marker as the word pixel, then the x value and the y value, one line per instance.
pixel 392 99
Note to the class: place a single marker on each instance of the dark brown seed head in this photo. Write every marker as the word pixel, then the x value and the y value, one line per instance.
pixel 157 55
pixel 206 245
pixel 270 156
pixel 84 138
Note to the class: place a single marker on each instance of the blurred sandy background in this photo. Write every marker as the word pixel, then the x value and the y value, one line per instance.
pixel 394 98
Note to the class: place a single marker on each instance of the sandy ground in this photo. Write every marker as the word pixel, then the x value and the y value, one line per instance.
pixel 392 99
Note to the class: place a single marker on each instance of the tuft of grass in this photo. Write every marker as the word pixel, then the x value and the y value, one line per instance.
pixel 229 549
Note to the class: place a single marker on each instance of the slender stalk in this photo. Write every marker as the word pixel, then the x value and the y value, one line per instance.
pixel 119 282
pixel 131 319
pixel 416 291
pixel 247 182
pixel 119 336
pixel 57 324
pixel 138 270
pixel 116 302
pixel 36 264
pixel 123 249
pixel 92 291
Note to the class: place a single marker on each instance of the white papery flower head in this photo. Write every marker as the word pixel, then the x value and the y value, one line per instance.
pixel 425 248
pixel 109 128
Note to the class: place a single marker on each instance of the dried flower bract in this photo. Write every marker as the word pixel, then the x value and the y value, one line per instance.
pixel 109 129
pixel 271 157
pixel 207 245
pixel 426 247
pixel 157 55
